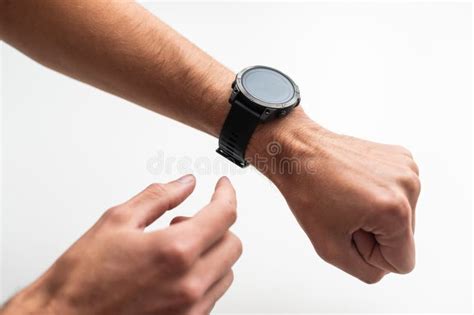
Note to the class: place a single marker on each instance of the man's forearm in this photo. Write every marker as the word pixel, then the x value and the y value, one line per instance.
pixel 120 47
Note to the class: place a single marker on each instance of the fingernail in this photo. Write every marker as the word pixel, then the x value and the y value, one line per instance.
pixel 186 179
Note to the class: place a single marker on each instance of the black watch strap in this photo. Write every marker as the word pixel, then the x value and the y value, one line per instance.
pixel 236 132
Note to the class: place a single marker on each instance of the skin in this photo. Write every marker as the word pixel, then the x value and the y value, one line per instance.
pixel 359 211
pixel 117 268
pixel 355 199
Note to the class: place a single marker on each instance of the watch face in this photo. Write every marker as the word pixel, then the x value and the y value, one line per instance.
pixel 268 86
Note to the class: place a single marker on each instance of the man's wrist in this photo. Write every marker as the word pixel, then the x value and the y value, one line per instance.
pixel 278 147
pixel 285 146
pixel 35 299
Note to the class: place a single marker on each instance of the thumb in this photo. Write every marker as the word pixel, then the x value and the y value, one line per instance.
pixel 156 199
pixel 388 258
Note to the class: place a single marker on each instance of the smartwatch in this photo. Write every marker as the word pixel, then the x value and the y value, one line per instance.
pixel 259 94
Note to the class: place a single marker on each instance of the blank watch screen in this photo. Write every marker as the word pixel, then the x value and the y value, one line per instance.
pixel 268 85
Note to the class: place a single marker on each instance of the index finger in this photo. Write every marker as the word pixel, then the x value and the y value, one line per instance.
pixel 213 221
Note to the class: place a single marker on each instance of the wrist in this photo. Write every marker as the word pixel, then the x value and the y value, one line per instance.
pixel 286 146
pixel 34 300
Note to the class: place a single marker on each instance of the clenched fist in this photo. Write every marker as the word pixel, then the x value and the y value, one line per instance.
pixel 355 199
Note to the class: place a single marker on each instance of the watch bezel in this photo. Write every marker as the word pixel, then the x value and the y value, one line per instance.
pixel 290 103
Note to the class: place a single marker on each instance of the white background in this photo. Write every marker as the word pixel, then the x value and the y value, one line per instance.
pixel 395 73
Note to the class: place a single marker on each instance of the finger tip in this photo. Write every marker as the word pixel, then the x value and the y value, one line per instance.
pixel 220 181
pixel 187 179
pixel 224 183
pixel 225 178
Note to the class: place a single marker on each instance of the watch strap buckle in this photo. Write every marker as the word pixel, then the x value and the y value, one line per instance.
pixel 239 162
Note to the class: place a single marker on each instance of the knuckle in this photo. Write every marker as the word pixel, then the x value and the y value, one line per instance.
pixel 414 167
pixel 373 277
pixel 199 311
pixel 190 291
pixel 177 256
pixel 413 182
pixel 326 253
pixel 231 277
pixel 156 190
pixel 229 209
pixel 409 268
pixel 396 206
pixel 238 246
pixel 114 214
pixel 410 179
pixel 403 150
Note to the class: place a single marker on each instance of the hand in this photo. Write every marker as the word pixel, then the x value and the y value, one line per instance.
pixel 117 268
pixel 355 199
